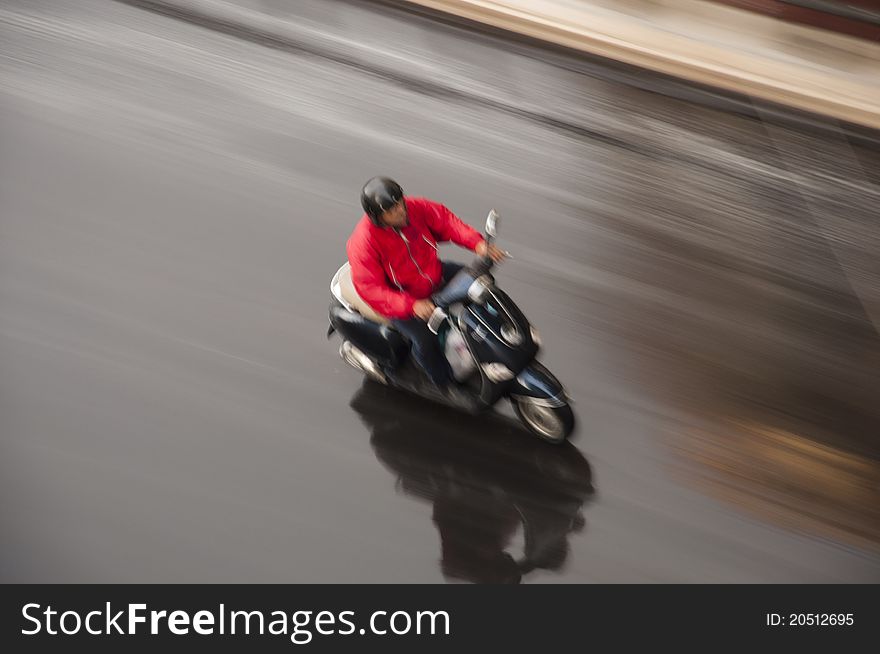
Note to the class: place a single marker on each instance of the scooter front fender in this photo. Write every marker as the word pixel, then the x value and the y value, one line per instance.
pixel 537 382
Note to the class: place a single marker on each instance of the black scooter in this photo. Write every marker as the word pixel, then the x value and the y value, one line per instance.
pixel 489 342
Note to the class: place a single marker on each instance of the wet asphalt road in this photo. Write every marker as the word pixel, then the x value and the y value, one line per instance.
pixel 174 200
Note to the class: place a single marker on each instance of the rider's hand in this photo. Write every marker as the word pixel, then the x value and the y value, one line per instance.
pixel 492 251
pixel 423 309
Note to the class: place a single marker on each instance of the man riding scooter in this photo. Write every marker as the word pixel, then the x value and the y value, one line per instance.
pixel 395 267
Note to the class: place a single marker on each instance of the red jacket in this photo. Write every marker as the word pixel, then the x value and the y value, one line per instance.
pixel 391 269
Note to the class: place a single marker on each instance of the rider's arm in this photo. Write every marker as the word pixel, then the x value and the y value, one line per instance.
pixel 372 285
pixel 446 226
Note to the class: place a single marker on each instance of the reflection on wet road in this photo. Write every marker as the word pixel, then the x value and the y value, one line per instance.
pixel 488 482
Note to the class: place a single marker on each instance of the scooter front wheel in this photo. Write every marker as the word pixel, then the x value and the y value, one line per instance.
pixel 550 423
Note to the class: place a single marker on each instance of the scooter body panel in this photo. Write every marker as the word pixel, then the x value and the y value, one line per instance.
pixel 381 342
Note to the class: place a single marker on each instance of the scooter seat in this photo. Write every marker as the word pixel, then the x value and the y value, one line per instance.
pixel 353 299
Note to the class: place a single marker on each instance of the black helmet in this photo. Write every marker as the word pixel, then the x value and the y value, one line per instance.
pixel 378 195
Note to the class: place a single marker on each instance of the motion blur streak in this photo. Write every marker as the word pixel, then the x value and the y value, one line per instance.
pixel 174 199
pixel 790 479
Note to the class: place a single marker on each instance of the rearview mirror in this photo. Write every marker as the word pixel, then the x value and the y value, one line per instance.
pixel 492 223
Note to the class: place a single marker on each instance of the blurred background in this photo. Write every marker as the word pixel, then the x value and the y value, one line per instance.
pixel 177 182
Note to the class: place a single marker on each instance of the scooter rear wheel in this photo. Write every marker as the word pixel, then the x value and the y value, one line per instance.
pixel 552 424
pixel 354 357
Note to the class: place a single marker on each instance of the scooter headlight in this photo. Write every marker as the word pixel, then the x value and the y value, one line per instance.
pixel 536 337
pixel 497 372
